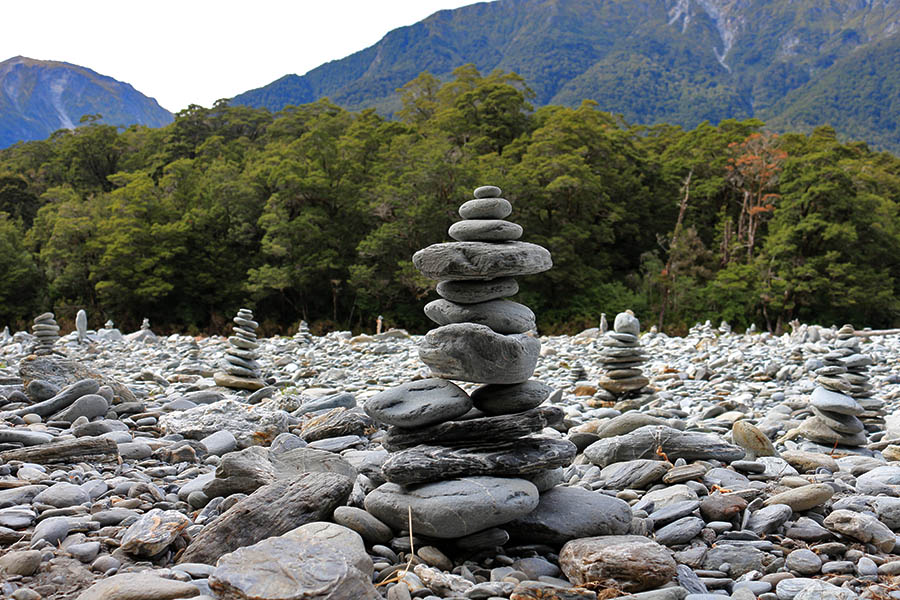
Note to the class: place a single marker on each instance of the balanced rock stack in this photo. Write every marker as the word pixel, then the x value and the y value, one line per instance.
pixel 46 330
pixel 240 366
pixel 621 357
pixel 460 477
pixel 843 379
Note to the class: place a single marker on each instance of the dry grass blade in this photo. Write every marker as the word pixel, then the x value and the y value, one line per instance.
pixel 412 553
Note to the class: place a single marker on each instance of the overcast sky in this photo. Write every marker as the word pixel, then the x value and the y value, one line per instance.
pixel 197 51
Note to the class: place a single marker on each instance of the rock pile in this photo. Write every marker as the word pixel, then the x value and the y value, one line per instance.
pixel 239 364
pixel 81 326
pixel 464 476
pixel 621 357
pixel 836 403
pixel 46 331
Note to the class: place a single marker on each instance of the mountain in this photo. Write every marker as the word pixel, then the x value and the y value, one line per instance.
pixel 793 63
pixel 37 97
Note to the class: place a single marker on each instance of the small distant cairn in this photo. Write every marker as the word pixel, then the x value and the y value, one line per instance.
pixel 46 330
pixel 621 357
pixel 303 335
pixel 842 404
pixel 241 370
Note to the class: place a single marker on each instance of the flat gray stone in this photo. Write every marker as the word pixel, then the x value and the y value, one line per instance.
pixel 348 542
pixel 419 403
pixel 567 513
pixel 219 443
pixel 25 437
pixel 139 586
pixel 680 532
pixel 644 441
pixel 519 458
pixel 63 494
pixel 633 474
pixel 500 399
pixel 471 352
pixel 835 402
pixel 486 208
pixel 502 316
pixel 485 230
pixel 481 260
pixel 473 292
pixel 453 508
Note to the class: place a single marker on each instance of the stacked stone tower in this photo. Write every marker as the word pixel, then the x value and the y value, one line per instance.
pixel 836 402
pixel 46 330
pixel 240 367
pixel 463 476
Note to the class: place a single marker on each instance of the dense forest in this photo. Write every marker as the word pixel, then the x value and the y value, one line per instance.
pixel 313 213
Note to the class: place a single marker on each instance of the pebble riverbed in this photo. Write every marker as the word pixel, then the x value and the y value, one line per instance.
pixel 127 474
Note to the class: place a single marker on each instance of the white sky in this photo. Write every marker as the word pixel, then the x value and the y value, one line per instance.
pixel 197 51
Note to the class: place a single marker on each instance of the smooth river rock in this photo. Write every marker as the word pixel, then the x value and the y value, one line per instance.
pixel 502 316
pixel 646 441
pixel 472 352
pixel 473 292
pixel 567 513
pixel 453 508
pixel 419 403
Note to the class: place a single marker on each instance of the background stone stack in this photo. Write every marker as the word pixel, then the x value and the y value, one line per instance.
pixel 843 379
pixel 46 330
pixel 464 476
pixel 621 358
pixel 303 335
pixel 240 366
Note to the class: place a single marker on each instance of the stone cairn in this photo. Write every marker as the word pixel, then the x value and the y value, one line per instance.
pixel 239 364
pixel 842 396
pixel 621 358
pixel 46 330
pixel 81 326
pixel 459 477
pixel 303 335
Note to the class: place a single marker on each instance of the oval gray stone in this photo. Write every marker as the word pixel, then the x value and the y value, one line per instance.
pixel 503 316
pixel 481 260
pixel 681 531
pixel 502 399
pixel 486 208
pixel 485 230
pixel 835 402
pixel 486 191
pixel 567 513
pixel 472 292
pixel 471 352
pixel 453 508
pixel 419 403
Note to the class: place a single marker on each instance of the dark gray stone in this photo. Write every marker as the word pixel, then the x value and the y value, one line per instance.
pixel 498 399
pixel 567 513
pixel 497 429
pixel 522 457
pixel 419 403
